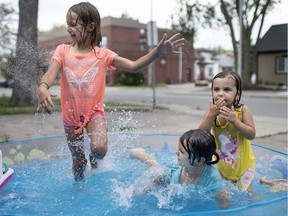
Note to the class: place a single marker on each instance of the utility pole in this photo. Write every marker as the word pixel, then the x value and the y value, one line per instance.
pixel 180 76
pixel 152 35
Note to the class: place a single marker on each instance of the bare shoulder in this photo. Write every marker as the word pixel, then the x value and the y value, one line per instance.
pixel 245 109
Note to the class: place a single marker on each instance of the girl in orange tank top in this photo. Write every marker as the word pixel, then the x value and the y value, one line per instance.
pixel 83 64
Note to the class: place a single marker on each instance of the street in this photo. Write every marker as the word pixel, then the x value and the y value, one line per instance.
pixel 261 103
pixel 186 105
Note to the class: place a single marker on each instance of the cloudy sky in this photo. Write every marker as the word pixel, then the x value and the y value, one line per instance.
pixel 53 12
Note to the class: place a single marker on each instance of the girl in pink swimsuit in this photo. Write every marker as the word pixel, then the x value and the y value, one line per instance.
pixel 83 64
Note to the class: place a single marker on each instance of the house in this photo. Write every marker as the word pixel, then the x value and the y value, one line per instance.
pixel 225 62
pixel 128 38
pixel 207 66
pixel 272 56
pixel 203 64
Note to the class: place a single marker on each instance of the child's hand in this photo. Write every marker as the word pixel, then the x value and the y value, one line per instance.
pixel 44 99
pixel 215 108
pixel 228 114
pixel 169 46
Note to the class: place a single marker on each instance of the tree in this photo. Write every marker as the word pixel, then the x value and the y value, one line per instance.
pixel 253 17
pixel 187 19
pixel 6 20
pixel 26 69
pixel 226 13
pixel 7 36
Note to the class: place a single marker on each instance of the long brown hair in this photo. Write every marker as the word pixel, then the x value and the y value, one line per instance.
pixel 88 13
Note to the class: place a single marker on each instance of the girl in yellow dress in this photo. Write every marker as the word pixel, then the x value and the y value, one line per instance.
pixel 233 127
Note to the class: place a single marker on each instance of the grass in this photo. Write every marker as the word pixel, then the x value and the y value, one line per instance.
pixel 7 109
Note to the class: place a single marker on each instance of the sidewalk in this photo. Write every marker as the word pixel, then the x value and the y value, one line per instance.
pixel 270 132
pixel 189 88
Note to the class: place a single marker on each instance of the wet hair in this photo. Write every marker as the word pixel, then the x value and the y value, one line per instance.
pixel 199 143
pixel 238 82
pixel 88 13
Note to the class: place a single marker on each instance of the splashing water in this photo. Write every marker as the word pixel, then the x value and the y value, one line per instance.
pixel 44 186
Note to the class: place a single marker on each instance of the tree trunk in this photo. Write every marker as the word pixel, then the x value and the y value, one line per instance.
pixel 247 59
pixel 26 70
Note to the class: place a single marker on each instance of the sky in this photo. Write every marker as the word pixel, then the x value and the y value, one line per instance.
pixel 53 12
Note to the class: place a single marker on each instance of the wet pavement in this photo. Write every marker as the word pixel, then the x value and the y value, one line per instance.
pixel 175 119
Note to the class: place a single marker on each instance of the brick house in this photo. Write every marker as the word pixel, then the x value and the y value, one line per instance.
pixel 128 38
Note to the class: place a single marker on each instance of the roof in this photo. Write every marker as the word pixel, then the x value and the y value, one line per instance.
pixel 226 60
pixel 105 21
pixel 274 40
pixel 130 23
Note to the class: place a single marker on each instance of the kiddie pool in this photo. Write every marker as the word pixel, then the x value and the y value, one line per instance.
pixel 43 183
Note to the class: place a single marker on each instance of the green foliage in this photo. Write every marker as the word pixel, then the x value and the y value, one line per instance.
pixel 7 65
pixel 130 79
pixel 127 128
pixel 189 17
pixel 218 51
pixel 7 107
pixel 5 101
pixel 6 33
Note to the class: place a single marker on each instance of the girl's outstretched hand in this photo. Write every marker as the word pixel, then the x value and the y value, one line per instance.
pixel 171 45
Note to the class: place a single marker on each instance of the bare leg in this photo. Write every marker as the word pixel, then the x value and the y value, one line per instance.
pixel 97 132
pixel 143 156
pixel 76 146
pixel 263 180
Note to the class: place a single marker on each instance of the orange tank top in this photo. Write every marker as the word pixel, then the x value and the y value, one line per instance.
pixel 83 82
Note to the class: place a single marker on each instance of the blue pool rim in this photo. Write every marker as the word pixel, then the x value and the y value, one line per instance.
pixel 213 212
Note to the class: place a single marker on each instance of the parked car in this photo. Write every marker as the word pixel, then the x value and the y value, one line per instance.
pixel 7 83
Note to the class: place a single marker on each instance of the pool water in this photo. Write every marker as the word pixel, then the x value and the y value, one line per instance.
pixel 46 187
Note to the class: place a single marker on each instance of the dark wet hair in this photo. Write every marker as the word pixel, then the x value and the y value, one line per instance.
pixel 238 82
pixel 199 143
pixel 88 13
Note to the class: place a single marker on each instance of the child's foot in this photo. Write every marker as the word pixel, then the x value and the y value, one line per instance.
pixel 93 160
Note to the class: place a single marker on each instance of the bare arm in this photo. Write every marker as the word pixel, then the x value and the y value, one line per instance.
pixel 152 177
pixel 164 47
pixel 223 198
pixel 207 121
pixel 143 156
pixel 44 96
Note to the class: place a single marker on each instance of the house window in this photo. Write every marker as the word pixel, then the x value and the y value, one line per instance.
pixel 281 65
pixel 143 44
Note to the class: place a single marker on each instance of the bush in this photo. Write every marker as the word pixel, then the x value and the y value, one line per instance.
pixel 130 79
